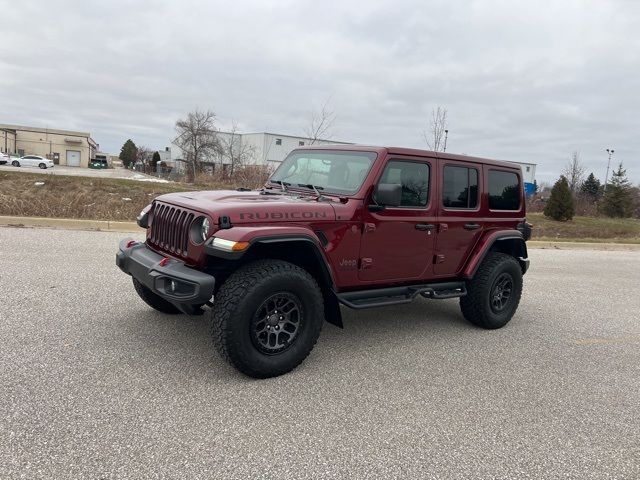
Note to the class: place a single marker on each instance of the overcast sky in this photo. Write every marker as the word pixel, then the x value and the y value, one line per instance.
pixel 521 80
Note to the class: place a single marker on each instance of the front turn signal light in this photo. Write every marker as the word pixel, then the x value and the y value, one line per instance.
pixel 229 245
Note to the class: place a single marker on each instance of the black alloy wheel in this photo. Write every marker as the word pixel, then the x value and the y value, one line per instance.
pixel 276 323
pixel 501 292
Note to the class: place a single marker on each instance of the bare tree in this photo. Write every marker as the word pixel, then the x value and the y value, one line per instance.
pixel 235 150
pixel 436 134
pixel 320 123
pixel 143 156
pixel 574 172
pixel 198 139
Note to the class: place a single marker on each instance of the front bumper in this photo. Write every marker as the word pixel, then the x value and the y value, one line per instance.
pixel 184 287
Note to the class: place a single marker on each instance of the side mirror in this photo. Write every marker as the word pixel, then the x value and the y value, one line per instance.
pixel 388 194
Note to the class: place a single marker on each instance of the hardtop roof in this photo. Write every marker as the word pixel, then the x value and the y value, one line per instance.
pixel 415 152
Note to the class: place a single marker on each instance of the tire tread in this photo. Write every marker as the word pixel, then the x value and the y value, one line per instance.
pixel 233 291
pixel 472 304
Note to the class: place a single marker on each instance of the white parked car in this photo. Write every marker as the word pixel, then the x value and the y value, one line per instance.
pixel 32 161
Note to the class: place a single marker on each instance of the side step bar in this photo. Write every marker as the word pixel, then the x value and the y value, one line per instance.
pixel 381 297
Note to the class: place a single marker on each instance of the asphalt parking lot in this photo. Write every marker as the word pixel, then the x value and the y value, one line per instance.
pixel 94 384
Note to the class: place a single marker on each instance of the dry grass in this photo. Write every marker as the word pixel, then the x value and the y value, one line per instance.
pixel 78 197
pixel 102 199
pixel 586 229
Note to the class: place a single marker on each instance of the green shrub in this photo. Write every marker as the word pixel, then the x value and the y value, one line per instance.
pixel 560 205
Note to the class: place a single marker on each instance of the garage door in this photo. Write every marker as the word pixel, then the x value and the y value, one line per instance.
pixel 73 158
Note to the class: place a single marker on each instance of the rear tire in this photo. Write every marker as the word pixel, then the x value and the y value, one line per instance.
pixel 251 333
pixel 15 163
pixel 43 166
pixel 494 292
pixel 153 300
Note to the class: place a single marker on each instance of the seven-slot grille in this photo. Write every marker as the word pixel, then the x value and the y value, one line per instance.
pixel 170 228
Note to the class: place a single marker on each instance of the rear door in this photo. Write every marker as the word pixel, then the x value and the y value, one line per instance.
pixel 459 214
pixel 397 242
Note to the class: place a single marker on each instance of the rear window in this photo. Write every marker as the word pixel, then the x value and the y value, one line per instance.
pixel 460 187
pixel 504 190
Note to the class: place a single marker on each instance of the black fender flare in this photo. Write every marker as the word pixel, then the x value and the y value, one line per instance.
pixel 333 314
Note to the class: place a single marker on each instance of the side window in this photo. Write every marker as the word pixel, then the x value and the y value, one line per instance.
pixel 460 187
pixel 504 190
pixel 414 178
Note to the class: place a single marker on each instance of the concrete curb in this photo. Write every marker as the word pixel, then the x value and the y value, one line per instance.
pixel 111 226
pixel 70 224
pixel 555 245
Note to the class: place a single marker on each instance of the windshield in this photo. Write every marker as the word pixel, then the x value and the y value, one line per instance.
pixel 335 171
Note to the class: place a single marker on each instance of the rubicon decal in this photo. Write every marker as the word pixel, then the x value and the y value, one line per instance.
pixel 281 215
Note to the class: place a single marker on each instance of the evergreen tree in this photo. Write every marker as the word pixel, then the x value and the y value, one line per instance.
pixel 618 198
pixel 155 160
pixel 560 205
pixel 591 187
pixel 128 153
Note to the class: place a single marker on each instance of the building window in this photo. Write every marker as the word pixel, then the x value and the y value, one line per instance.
pixel 301 143
pixel 504 190
pixel 528 169
pixel 21 152
pixel 278 141
pixel 460 187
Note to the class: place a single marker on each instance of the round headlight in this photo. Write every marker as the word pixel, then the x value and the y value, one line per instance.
pixel 204 229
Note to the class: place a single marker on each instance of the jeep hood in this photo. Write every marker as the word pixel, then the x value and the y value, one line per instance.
pixel 253 207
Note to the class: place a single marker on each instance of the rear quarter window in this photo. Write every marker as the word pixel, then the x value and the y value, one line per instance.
pixel 504 190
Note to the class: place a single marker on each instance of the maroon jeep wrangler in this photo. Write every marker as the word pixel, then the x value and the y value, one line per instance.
pixel 355 226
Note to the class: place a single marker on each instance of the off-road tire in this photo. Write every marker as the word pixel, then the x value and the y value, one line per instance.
pixel 476 305
pixel 153 300
pixel 15 163
pixel 240 298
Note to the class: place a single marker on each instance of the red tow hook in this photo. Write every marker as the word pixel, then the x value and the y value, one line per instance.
pixel 163 262
pixel 131 243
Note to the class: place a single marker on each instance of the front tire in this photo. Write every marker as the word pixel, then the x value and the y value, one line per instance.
pixel 494 292
pixel 43 166
pixel 15 163
pixel 153 300
pixel 267 317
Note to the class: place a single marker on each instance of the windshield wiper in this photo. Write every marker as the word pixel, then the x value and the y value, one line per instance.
pixel 282 184
pixel 314 187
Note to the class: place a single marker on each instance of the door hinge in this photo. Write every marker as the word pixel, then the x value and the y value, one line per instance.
pixel 369 227
pixel 443 227
pixel 438 258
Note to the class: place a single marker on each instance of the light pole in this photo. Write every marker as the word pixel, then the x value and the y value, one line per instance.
pixel 446 134
pixel 606 178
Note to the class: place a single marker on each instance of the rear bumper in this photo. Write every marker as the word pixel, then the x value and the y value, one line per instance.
pixel 184 287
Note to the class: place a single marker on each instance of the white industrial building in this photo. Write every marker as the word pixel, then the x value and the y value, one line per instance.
pixel 263 148
pixel 272 148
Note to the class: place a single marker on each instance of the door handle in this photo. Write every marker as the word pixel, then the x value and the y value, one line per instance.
pixel 424 226
pixel 471 226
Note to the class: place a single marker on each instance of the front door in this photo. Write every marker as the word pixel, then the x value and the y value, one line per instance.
pixel 397 242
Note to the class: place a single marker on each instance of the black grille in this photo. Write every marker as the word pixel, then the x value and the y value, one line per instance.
pixel 170 228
